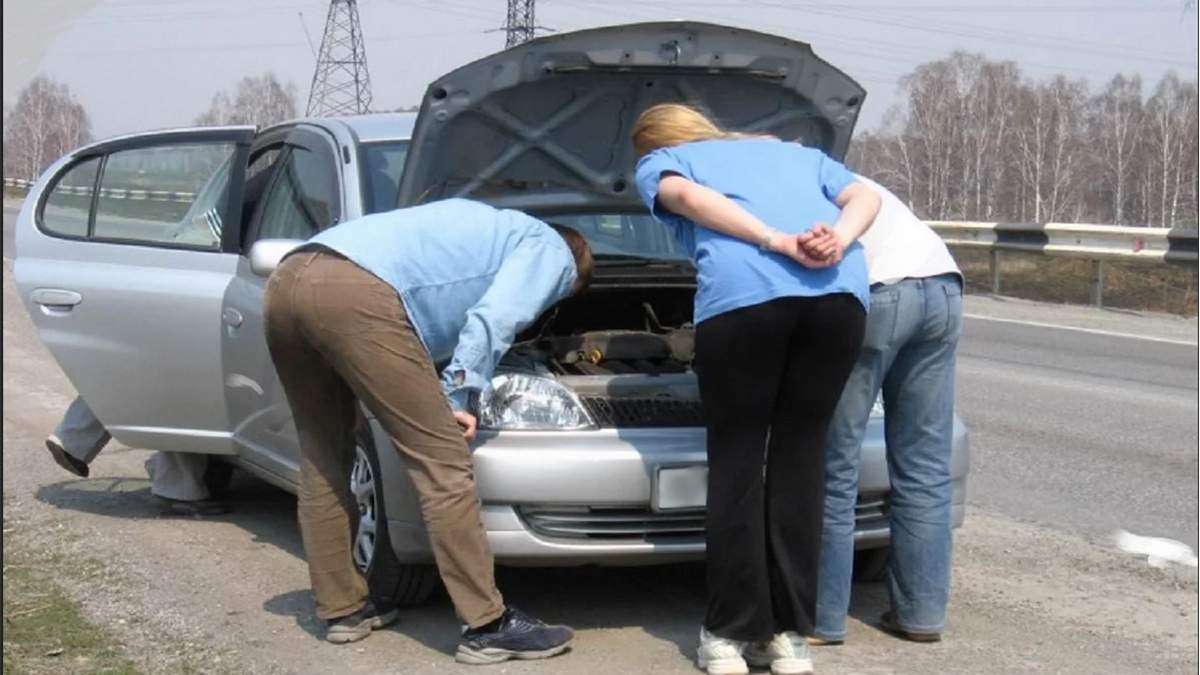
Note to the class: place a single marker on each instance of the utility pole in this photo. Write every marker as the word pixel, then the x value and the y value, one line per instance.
pixel 341 84
pixel 520 24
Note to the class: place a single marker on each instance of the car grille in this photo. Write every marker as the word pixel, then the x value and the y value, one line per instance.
pixel 871 512
pixel 643 412
pixel 582 522
pixel 612 523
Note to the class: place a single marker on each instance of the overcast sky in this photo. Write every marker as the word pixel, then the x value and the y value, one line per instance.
pixel 144 64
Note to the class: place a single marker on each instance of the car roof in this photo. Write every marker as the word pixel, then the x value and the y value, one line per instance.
pixel 380 126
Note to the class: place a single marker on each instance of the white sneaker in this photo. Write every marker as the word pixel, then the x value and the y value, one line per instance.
pixel 786 654
pixel 718 656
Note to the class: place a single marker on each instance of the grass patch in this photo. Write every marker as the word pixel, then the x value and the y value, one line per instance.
pixel 44 629
pixel 1127 285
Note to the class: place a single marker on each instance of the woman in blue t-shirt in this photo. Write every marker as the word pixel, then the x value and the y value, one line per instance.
pixel 781 303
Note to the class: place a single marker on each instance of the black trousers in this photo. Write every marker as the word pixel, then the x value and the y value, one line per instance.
pixel 770 377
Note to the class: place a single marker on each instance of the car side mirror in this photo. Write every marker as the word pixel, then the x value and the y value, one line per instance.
pixel 265 254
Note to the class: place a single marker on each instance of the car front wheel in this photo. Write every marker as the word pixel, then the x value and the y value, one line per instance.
pixel 387 577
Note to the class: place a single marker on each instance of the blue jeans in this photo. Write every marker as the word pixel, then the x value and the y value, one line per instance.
pixel 908 352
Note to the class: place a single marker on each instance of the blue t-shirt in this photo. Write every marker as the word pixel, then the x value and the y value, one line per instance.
pixel 786 185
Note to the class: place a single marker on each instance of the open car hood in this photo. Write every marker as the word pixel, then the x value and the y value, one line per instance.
pixel 545 126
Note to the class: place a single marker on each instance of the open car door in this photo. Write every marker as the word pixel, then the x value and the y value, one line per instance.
pixel 122 261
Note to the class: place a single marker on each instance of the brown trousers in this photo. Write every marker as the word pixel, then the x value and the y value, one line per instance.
pixel 338 333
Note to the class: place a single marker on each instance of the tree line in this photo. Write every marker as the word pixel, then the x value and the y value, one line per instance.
pixel 47 122
pixel 972 139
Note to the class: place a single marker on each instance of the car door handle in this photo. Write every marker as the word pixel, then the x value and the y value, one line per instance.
pixel 232 317
pixel 55 300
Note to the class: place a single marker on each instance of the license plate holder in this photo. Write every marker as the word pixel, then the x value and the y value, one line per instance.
pixel 680 487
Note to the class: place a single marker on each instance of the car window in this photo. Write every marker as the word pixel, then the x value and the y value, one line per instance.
pixel 70 201
pixel 169 195
pixel 262 161
pixel 302 199
pixel 384 164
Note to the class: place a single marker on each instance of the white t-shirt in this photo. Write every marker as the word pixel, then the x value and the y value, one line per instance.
pixel 900 246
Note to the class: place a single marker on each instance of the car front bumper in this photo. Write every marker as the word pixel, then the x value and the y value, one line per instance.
pixel 584 497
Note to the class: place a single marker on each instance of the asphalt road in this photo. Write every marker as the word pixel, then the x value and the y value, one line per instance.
pixel 1084 432
pixel 1074 433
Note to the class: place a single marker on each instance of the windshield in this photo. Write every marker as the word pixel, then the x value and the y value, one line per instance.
pixel 625 235
pixel 616 236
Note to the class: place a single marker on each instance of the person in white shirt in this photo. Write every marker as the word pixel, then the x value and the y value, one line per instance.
pixel 908 352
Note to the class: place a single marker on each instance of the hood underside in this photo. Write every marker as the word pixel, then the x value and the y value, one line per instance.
pixel 545 126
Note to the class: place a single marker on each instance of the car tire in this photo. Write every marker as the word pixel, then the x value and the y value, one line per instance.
pixel 218 476
pixel 387 578
pixel 871 565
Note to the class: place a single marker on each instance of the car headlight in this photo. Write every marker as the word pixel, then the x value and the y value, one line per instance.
pixel 877 407
pixel 531 402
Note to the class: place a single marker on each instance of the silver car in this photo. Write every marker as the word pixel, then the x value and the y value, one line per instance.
pixel 142 260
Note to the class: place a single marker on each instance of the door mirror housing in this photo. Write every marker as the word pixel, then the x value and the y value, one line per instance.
pixel 266 254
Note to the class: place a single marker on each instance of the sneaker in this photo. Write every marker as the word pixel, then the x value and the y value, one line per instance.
pixel 786 654
pixel 888 623
pixel 66 461
pixel 515 635
pixel 359 625
pixel 719 656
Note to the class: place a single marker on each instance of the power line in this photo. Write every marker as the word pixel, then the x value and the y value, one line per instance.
pixel 970 31
pixel 841 38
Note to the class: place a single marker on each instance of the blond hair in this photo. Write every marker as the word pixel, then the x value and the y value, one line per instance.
pixel 668 124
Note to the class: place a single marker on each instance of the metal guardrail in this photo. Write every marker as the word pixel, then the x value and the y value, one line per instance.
pixel 111 193
pixel 1098 243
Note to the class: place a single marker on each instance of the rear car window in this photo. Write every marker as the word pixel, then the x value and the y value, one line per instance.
pixel 70 200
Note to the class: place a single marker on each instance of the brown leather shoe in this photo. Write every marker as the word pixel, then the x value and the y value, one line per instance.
pixel 888 623
pixel 815 641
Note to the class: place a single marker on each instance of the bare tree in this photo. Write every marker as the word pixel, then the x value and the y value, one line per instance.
pixel 45 123
pixel 261 101
pixel 1166 126
pixel 1049 138
pixel 1114 121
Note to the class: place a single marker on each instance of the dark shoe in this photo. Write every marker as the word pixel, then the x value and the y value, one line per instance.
pixel 815 641
pixel 359 625
pixel 196 509
pixel 888 623
pixel 66 461
pixel 515 635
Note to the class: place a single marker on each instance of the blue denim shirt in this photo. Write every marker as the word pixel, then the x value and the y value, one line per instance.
pixel 471 278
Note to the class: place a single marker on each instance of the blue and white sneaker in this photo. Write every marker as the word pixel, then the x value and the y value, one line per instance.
pixel 516 636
